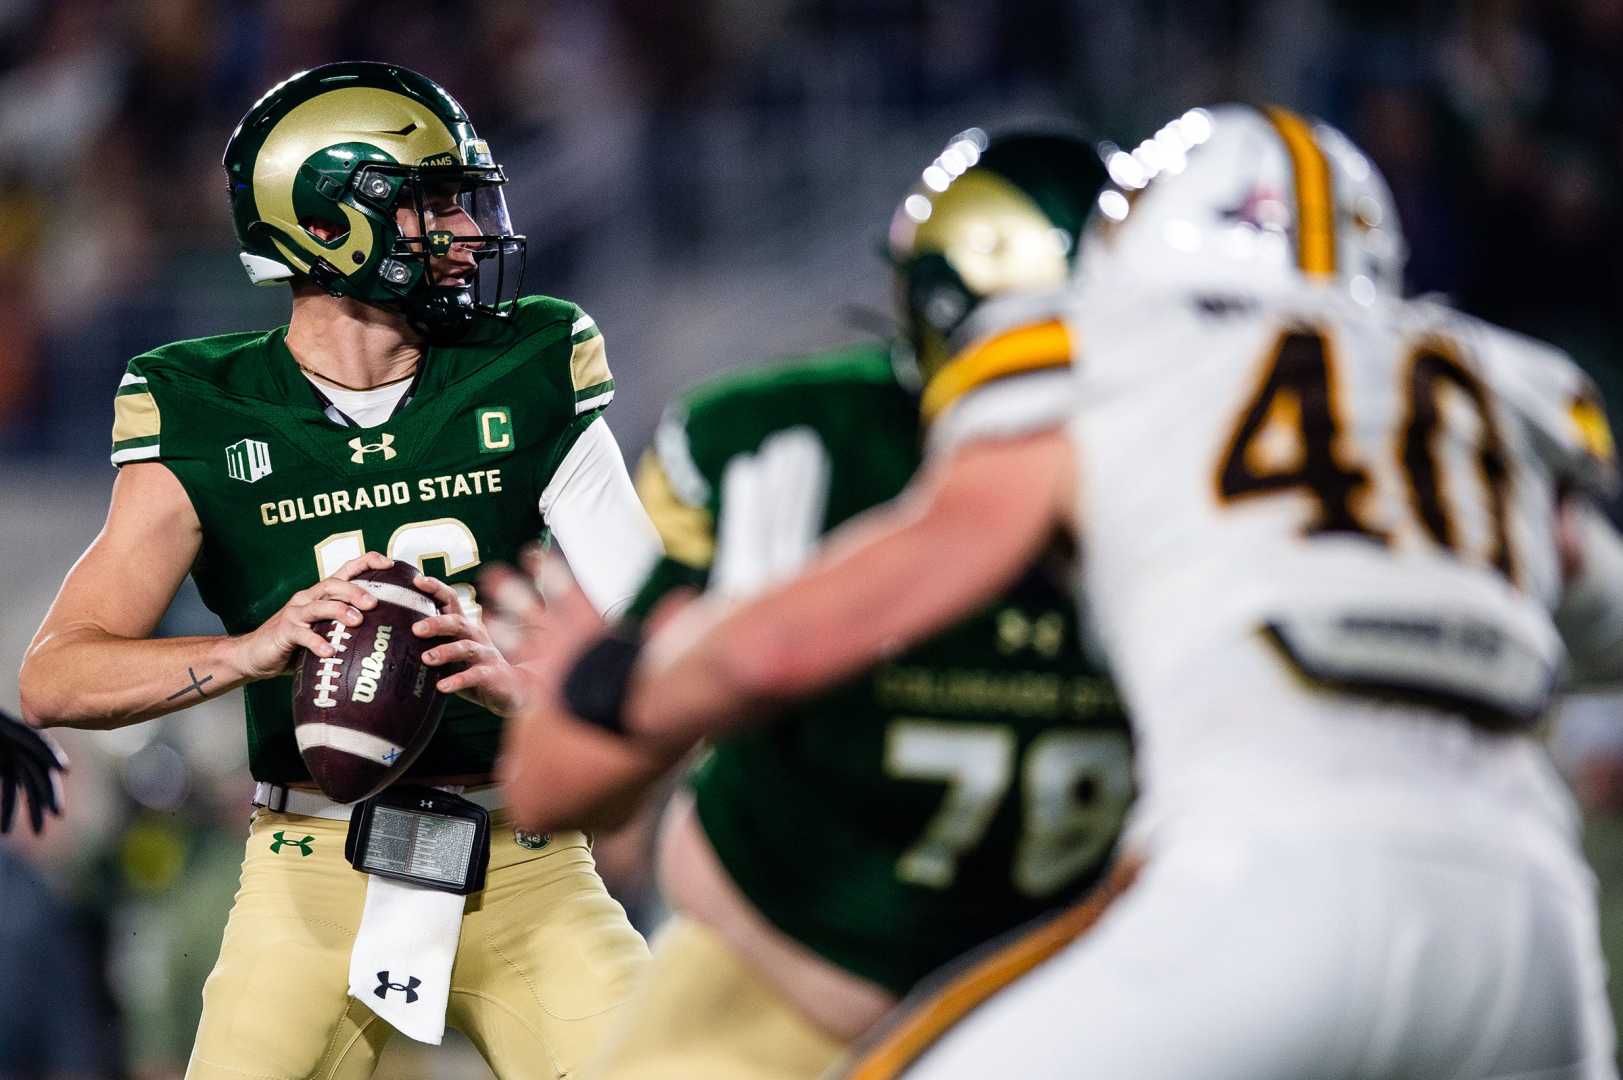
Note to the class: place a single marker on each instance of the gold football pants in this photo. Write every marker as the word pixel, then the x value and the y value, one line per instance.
pixel 701 1014
pixel 545 959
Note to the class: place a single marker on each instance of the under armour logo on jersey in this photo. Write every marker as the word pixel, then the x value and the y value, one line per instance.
pixel 409 987
pixel 385 443
pixel 282 841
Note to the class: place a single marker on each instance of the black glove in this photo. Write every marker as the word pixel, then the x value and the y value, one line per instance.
pixel 31 761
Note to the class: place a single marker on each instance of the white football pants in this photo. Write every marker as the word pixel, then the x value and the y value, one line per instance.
pixel 1312 955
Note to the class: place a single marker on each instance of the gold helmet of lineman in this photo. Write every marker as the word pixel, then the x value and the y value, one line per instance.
pixel 990 219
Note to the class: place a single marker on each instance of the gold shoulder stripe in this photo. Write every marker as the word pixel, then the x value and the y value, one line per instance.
pixel 1042 345
pixel 688 532
pixel 1593 430
pixel 589 363
pixel 889 1050
pixel 1315 204
pixel 135 416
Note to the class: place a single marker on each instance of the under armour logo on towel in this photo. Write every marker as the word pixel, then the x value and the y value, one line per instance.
pixel 409 987
pixel 385 444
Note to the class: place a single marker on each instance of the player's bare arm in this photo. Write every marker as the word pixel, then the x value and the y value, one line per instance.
pixel 557 771
pixel 878 588
pixel 93 663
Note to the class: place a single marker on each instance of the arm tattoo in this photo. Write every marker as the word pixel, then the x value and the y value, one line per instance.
pixel 196 684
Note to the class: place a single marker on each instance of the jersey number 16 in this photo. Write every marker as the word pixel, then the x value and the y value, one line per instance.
pixel 445 538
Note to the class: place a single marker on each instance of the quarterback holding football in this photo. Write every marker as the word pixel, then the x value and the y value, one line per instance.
pixel 415 417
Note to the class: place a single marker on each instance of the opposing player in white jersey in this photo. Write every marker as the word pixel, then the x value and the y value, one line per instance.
pixel 1340 549
pixel 1323 532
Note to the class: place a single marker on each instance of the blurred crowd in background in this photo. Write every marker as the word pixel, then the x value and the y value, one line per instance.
pixel 710 180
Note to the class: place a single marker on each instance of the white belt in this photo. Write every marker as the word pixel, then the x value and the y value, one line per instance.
pixel 288 800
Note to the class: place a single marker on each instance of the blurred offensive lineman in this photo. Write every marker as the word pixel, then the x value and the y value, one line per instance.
pixel 1339 548
pixel 825 864
pixel 408 408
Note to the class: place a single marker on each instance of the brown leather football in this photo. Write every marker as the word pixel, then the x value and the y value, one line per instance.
pixel 363 715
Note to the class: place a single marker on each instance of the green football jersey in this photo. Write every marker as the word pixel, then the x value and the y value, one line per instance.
pixel 956 791
pixel 287 495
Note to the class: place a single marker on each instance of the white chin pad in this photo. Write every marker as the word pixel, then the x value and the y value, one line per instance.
pixel 263 271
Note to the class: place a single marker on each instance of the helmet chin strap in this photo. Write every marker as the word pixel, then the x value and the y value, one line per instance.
pixel 442 314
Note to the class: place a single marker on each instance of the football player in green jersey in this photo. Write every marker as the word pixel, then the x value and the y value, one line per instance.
pixel 413 408
pixel 822 865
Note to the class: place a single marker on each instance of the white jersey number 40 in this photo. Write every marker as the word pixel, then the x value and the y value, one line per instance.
pixel 1298 390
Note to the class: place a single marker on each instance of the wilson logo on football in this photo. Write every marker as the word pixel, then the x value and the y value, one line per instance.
pixel 366 686
pixel 327 674
pixel 384 445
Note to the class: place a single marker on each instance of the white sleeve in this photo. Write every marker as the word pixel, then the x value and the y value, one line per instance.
pixel 1005 409
pixel 601 527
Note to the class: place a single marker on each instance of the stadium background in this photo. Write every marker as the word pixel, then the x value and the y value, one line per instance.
pixel 711 180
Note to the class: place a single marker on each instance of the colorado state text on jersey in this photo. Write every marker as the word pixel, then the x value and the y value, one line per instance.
pixel 398 493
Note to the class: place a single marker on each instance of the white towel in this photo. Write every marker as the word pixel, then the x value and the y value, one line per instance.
pixel 400 965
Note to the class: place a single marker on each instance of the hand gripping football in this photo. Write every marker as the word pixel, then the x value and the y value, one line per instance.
pixel 363 715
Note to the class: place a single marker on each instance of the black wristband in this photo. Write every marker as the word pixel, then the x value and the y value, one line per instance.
pixel 595 688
